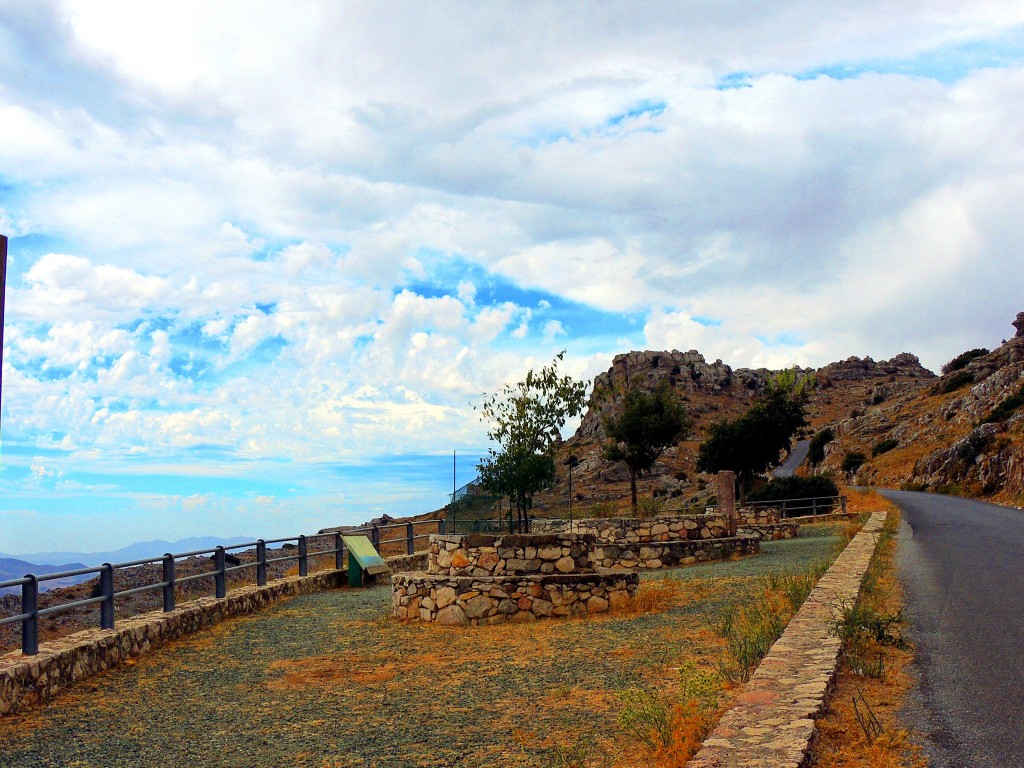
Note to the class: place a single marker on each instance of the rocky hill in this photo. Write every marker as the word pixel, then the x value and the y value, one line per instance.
pixel 710 391
pixel 963 434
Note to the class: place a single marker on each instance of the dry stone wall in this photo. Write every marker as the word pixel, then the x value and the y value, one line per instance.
pixel 649 555
pixel 638 530
pixel 484 600
pixel 486 555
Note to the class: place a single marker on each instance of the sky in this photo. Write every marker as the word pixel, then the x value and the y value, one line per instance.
pixel 265 257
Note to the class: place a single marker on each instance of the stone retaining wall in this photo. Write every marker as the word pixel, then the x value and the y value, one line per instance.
pixel 406 563
pixel 483 600
pixel 773 531
pixel 771 724
pixel 640 530
pixel 478 554
pixel 627 554
pixel 32 680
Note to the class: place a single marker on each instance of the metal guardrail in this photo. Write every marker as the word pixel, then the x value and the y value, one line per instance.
pixel 31 613
pixel 816 505
pixel 813 506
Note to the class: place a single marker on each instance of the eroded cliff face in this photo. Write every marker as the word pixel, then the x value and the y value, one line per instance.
pixel 688 373
pixel 947 435
pixel 710 391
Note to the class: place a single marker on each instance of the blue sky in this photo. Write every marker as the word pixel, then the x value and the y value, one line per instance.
pixel 263 261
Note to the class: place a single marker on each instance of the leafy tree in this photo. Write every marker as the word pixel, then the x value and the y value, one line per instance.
pixel 646 424
pixel 852 461
pixel 750 444
pixel 525 420
pixel 816 449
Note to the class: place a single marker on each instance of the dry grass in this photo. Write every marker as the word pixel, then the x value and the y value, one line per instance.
pixel 843 742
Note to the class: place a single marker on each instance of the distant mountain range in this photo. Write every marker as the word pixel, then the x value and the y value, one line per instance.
pixel 11 568
pixel 36 561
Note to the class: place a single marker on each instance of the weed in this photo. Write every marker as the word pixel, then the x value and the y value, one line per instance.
pixel 648 506
pixel 646 717
pixel 651 596
pixel 582 753
pixel 673 731
pixel 749 636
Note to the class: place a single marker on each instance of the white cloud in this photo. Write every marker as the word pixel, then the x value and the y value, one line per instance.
pixel 415 207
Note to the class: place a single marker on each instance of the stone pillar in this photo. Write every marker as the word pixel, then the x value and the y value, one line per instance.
pixel 727 498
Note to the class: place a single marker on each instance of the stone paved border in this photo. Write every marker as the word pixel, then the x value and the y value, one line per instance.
pixel 772 723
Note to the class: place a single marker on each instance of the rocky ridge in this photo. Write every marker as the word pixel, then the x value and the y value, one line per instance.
pixel 946 435
pixel 710 392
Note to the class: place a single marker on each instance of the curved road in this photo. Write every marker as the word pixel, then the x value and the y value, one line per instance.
pixel 794 460
pixel 962 565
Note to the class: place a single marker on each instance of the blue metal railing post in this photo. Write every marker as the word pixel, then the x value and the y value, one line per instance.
pixel 261 563
pixel 339 555
pixel 440 527
pixel 107 591
pixel 30 625
pixel 411 535
pixel 168 582
pixel 220 577
pixel 303 557
pixel 375 537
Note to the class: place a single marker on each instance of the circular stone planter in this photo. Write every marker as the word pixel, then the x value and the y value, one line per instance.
pixel 481 579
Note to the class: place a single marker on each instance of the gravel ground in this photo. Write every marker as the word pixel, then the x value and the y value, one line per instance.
pixel 329 680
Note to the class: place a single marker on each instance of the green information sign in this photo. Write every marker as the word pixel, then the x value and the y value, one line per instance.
pixel 363 560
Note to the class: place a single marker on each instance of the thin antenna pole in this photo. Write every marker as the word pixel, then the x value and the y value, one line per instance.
pixel 3 291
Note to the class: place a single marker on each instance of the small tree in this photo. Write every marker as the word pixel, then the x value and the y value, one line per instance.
pixel 525 420
pixel 816 449
pixel 647 423
pixel 750 444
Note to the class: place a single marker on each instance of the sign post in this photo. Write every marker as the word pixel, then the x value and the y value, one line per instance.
pixel 3 291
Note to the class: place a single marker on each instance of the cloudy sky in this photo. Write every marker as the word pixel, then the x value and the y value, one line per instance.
pixel 264 256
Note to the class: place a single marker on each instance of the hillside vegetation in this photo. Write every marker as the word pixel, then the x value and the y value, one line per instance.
pixel 961 432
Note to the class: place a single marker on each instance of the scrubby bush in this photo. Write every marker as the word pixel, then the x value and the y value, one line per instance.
pixel 956 381
pixel 853 460
pixel 816 450
pixel 884 446
pixel 961 360
pixel 780 488
pixel 1006 408
pixel 972 446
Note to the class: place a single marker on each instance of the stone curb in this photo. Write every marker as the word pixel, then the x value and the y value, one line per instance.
pixel 771 724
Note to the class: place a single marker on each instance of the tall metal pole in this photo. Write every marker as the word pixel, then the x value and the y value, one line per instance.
pixel 3 291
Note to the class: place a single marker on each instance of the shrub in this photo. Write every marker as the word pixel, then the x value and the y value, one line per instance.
pixel 961 360
pixel 780 488
pixel 971 446
pixel 956 381
pixel 816 450
pixel 1003 411
pixel 853 460
pixel 884 446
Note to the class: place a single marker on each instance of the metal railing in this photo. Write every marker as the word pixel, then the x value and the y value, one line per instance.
pixel 811 506
pixel 105 593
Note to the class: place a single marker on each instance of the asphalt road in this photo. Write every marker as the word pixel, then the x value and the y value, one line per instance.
pixel 962 565
pixel 794 460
